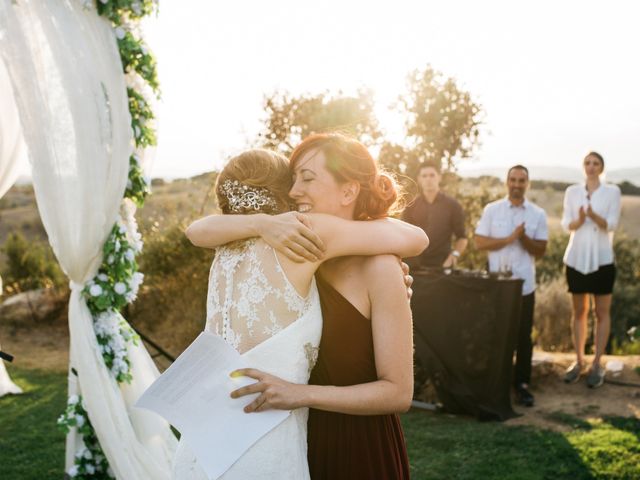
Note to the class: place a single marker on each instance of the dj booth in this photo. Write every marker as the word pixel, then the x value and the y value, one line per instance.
pixel 465 332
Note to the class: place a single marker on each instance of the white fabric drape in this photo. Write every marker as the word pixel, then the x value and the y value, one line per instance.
pixel 12 148
pixel 12 156
pixel 69 88
pixel 6 385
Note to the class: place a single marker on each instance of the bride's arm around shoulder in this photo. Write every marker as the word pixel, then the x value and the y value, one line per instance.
pixel 343 237
pixel 288 232
pixel 308 236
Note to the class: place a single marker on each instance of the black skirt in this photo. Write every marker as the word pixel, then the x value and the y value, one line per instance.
pixel 599 282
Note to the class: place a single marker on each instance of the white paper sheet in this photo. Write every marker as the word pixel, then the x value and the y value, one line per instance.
pixel 193 395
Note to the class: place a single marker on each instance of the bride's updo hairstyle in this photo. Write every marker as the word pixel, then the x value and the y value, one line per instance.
pixel 256 181
pixel 349 160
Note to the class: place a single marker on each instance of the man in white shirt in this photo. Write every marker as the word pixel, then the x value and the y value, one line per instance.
pixel 514 232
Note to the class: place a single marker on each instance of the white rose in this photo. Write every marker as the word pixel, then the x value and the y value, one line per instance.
pixel 79 421
pixel 120 364
pixel 116 245
pixel 80 453
pixel 120 288
pixel 95 290
pixel 130 255
pixel 90 468
pixel 120 33
pixel 117 343
pixel 73 399
pixel 113 328
pixel 73 471
pixel 110 259
pixel 134 283
pixel 103 277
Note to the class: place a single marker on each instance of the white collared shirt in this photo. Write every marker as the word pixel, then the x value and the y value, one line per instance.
pixel 590 246
pixel 498 220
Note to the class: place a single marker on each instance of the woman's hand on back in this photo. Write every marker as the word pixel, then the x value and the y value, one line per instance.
pixel 408 279
pixel 290 233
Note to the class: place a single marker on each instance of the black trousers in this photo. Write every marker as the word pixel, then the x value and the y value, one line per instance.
pixel 524 348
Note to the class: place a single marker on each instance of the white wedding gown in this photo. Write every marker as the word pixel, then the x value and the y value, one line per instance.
pixel 254 307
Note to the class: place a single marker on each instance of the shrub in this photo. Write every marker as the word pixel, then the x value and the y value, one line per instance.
pixel 171 304
pixel 552 322
pixel 29 265
pixel 550 266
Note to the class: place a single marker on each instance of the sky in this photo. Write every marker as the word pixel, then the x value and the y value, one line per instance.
pixel 555 79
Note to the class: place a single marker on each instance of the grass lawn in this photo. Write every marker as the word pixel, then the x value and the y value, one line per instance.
pixel 446 447
pixel 31 444
pixel 440 446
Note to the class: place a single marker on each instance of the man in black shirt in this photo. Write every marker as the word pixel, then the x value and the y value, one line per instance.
pixel 440 216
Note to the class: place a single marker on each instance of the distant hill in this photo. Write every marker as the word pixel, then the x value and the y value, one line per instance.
pixel 538 172
pixel 625 174
pixel 560 174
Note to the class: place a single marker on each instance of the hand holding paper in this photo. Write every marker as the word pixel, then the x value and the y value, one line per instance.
pixel 194 396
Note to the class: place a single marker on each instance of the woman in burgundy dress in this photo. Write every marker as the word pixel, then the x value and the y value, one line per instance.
pixel 364 372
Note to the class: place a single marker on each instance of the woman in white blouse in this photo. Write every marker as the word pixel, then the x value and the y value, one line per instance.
pixel 591 213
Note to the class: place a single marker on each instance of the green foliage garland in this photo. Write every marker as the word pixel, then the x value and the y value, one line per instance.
pixel 117 281
pixel 90 462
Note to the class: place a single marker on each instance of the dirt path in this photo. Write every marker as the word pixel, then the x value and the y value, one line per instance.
pixel 555 398
pixel 44 347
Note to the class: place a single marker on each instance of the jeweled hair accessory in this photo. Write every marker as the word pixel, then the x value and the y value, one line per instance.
pixel 243 197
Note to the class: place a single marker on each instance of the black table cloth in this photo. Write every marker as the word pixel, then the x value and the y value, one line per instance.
pixel 466 328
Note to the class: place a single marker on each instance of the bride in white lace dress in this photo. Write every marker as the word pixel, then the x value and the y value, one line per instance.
pixel 266 305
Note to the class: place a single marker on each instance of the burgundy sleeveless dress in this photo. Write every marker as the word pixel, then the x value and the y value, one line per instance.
pixel 353 447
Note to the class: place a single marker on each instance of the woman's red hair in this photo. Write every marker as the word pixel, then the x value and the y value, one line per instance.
pixel 349 160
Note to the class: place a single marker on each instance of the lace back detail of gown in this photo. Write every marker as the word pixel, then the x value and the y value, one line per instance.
pixel 250 298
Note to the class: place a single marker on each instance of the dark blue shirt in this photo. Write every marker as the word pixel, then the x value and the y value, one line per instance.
pixel 441 220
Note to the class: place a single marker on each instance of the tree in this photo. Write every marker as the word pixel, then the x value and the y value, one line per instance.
pixel 442 123
pixel 290 118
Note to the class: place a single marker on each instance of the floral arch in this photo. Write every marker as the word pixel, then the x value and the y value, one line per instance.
pixel 77 85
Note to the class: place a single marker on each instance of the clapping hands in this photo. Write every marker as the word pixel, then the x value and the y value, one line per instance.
pixel 582 214
pixel 518 232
